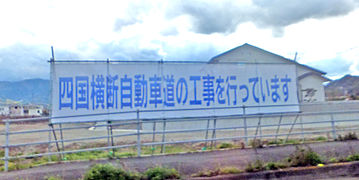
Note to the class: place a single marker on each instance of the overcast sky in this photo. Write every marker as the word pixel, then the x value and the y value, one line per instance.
pixel 323 32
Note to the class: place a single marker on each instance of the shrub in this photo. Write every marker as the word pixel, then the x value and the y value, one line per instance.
pixel 353 157
pixel 107 172
pixel 321 138
pixel 255 167
pixel 304 157
pixel 159 173
pixel 217 171
pixel 229 170
pixel 333 160
pixel 275 165
pixel 249 168
pixel 225 145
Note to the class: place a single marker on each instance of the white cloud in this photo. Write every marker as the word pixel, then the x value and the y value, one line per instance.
pixel 175 30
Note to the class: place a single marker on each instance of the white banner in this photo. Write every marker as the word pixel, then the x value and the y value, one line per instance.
pixel 165 90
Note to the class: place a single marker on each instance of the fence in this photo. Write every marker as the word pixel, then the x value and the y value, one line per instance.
pixel 59 139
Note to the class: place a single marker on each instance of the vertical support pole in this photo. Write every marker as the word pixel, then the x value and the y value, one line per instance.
pixel 260 128
pixel 108 135
pixel 277 131
pixel 49 145
pixel 245 125
pixel 206 137
pixel 163 147
pixel 138 134
pixel 57 143
pixel 333 126
pixel 302 128
pixel 62 137
pixel 257 128
pixel 291 128
pixel 254 144
pixel 111 135
pixel 153 137
pixel 214 132
pixel 7 129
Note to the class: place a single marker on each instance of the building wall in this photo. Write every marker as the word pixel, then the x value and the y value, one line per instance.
pixel 31 110
pixel 35 112
pixel 249 54
pixel 311 89
pixel 16 110
pixel 4 111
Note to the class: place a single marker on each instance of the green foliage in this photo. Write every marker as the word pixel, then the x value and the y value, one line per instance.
pixel 218 171
pixel 2 153
pixel 52 178
pixel 321 138
pixel 333 160
pixel 304 157
pixel 249 168
pixel 225 145
pixel 255 167
pixel 229 170
pixel 281 141
pixel 276 142
pixel 90 155
pixel 159 173
pixel 292 141
pixel 125 154
pixel 275 165
pixel 353 157
pixel 108 172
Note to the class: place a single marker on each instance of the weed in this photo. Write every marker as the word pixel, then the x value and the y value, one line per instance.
pixel 125 154
pixel 353 157
pixel 275 165
pixel 52 178
pixel 249 168
pixel 225 145
pixel 159 173
pixel 255 167
pixel 304 157
pixel 321 138
pixel 218 171
pixel 229 170
pixel 333 160
pixel 276 142
pixel 292 141
pixel 108 172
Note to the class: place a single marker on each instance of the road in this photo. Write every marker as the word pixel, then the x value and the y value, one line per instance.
pixel 188 163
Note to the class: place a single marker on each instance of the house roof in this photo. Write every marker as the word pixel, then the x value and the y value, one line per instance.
pixel 314 73
pixel 289 60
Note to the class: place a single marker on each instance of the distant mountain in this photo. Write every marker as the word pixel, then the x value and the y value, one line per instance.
pixel 35 91
pixel 345 86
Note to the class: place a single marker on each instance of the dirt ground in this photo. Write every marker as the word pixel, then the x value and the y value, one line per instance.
pixel 189 163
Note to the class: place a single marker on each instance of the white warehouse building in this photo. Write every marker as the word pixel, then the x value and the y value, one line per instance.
pixel 310 80
pixel 310 84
